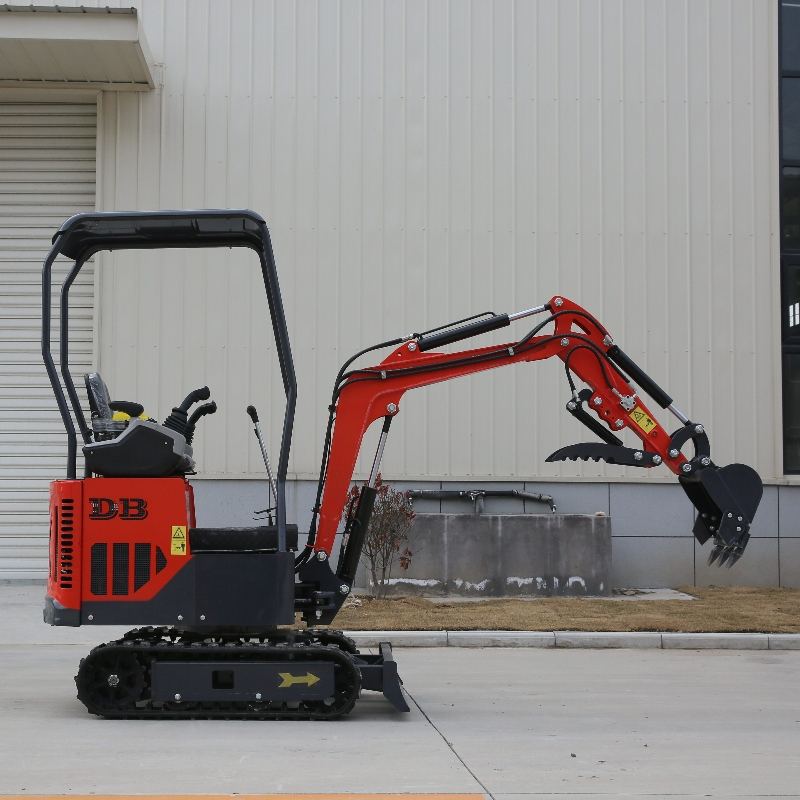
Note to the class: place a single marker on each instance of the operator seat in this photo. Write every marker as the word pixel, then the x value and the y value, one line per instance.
pixel 104 426
pixel 132 447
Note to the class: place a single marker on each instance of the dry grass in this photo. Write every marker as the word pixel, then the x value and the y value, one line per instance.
pixel 736 609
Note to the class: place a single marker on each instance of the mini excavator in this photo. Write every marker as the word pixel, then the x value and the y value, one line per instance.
pixel 217 606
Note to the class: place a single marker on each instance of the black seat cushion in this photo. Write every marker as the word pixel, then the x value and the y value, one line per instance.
pixel 263 539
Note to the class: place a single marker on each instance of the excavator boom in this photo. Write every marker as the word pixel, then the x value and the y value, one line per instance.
pixel 726 498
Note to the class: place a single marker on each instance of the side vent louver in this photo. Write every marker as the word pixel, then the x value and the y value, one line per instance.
pixel 119 578
pixel 99 558
pixel 121 566
pixel 141 565
pixel 65 542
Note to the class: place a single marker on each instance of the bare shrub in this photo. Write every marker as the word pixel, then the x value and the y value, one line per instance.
pixel 386 542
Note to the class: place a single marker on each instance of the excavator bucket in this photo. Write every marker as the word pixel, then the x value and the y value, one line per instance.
pixel 726 499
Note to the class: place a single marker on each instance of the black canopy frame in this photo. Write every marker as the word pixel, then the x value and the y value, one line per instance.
pixel 83 235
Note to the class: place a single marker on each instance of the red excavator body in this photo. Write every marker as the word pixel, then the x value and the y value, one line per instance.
pixel 218 604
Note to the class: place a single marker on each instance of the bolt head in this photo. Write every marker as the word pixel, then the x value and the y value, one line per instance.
pixel 202 618
pixel 322 556
pixel 113 679
pixel 564 342
pixel 673 453
pixel 571 406
pixel 318 614
pixel 738 529
pixel 391 408
pixel 598 401
pixel 344 589
pixel 686 468
pixel 558 302
pixel 90 617
pixel 180 617
pixel 656 459
pixel 730 515
pixel 177 696
pixel 698 428
pixel 412 346
pixel 258 695
pixel 638 456
pixel 705 461
pixel 618 423
pixel 739 519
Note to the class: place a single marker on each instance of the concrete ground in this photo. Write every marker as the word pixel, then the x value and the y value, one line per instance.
pixel 509 723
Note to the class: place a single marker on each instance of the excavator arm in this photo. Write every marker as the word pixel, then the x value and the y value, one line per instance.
pixel 726 498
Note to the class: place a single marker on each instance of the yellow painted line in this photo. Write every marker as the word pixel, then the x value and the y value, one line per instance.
pixel 316 796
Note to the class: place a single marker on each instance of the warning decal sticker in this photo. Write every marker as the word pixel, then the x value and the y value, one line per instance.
pixel 178 546
pixel 642 419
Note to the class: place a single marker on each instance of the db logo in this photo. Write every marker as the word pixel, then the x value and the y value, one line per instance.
pixel 125 508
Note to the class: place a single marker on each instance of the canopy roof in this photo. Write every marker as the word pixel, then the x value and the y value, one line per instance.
pixel 84 234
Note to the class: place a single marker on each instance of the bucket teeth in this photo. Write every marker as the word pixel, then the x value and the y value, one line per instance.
pixel 735 556
pixel 726 554
pixel 715 554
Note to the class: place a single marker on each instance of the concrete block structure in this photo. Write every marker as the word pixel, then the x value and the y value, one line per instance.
pixel 498 555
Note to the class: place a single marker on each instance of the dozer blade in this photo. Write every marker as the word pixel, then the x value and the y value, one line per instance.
pixel 726 499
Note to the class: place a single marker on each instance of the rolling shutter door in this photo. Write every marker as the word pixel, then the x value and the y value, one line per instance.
pixel 47 173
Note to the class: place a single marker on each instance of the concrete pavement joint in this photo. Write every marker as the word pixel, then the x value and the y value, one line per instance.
pixel 581 639
pixel 449 744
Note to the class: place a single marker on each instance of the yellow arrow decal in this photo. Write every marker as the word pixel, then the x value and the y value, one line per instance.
pixel 309 679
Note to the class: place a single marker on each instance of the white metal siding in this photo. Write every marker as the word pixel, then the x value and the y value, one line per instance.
pixel 422 160
pixel 47 172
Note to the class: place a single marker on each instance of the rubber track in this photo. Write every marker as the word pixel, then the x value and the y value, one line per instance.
pixel 303 647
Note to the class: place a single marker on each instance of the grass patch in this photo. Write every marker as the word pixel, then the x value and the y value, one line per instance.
pixel 740 609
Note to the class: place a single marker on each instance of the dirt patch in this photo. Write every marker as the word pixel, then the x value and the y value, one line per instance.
pixel 741 609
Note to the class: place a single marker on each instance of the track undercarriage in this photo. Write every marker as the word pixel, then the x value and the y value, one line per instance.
pixel 168 673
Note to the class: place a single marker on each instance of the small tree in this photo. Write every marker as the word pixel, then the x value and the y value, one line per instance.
pixel 387 534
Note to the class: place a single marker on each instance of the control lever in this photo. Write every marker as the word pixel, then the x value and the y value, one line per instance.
pixel 200 411
pixel 178 419
pixel 253 414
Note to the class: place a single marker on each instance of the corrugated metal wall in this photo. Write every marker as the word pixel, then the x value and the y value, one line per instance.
pixel 419 161
pixel 47 172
